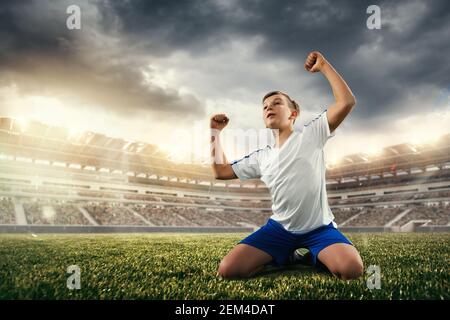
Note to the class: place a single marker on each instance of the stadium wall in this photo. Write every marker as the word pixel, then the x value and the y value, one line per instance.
pixel 116 229
pixel 432 229
pixel 152 229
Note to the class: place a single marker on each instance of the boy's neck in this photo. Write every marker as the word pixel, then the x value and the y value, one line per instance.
pixel 282 136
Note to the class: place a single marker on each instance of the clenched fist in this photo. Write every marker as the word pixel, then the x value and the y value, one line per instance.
pixel 219 121
pixel 315 62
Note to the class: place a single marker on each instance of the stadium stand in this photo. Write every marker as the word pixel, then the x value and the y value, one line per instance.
pixel 343 215
pixel 436 214
pixel 113 214
pixel 232 217
pixel 51 177
pixel 7 211
pixel 162 216
pixel 34 213
pixel 258 218
pixel 377 216
pixel 68 214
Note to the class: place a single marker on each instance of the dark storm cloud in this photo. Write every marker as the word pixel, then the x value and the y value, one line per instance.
pixel 41 56
pixel 385 68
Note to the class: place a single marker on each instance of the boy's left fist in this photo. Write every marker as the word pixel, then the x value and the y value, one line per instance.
pixel 314 62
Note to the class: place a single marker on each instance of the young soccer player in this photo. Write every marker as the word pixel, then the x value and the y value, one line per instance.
pixel 301 215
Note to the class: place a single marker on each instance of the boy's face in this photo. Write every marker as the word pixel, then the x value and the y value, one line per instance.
pixel 276 112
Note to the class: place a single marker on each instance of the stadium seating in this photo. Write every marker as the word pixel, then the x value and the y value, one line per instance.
pixel 68 214
pixel 376 216
pixel 438 215
pixel 113 214
pixel 162 216
pixel 258 218
pixel 341 215
pixel 232 217
pixel 7 211
pixel 201 217
pixel 135 184
pixel 34 213
pixel 59 212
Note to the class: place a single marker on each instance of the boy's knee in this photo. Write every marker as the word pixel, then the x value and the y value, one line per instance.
pixel 226 270
pixel 350 270
pixel 223 270
pixel 229 270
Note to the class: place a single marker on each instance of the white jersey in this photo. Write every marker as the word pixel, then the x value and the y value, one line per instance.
pixel 295 176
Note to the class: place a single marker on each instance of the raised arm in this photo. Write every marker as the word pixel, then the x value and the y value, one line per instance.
pixel 220 166
pixel 344 98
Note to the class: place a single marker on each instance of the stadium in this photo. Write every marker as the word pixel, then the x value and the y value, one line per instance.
pixel 125 130
pixel 56 182
pixel 88 195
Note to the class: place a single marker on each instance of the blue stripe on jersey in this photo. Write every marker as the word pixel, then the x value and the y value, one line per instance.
pixel 236 161
pixel 307 124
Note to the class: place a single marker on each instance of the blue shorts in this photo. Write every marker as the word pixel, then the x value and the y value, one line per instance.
pixel 274 239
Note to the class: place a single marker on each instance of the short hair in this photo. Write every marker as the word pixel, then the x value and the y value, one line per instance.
pixel 292 103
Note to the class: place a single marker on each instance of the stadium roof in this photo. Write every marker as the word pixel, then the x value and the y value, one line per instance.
pixel 40 141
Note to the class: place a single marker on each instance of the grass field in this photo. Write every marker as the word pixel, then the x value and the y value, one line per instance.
pixel 183 266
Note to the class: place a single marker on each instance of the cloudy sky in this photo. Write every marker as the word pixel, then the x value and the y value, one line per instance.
pixel 155 71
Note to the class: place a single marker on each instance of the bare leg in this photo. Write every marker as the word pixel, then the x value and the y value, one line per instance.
pixel 343 260
pixel 243 261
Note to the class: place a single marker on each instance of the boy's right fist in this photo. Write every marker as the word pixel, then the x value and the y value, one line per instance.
pixel 219 121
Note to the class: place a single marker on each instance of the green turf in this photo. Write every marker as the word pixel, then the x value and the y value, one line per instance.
pixel 183 266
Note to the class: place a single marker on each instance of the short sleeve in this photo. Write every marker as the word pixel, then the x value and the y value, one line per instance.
pixel 318 130
pixel 248 167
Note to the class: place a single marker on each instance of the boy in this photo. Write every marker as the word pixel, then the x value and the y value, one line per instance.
pixel 301 215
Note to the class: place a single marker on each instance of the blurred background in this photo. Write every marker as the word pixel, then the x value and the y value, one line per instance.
pixel 105 109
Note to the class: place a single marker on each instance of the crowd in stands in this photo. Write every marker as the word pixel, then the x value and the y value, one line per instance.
pixel 190 216
pixel 263 204
pixel 232 217
pixel 200 217
pixel 161 216
pixel 113 214
pixel 258 218
pixel 68 214
pixel 53 212
pixel 341 215
pixel 171 210
pixel 34 214
pixel 438 214
pixel 375 216
pixel 7 215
